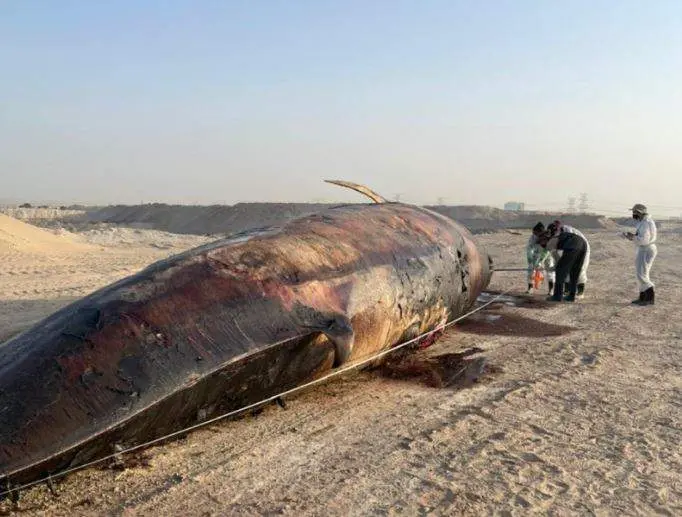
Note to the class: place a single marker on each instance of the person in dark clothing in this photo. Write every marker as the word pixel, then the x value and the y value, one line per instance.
pixel 573 251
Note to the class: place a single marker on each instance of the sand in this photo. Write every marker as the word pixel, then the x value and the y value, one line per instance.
pixel 41 271
pixel 222 219
pixel 584 417
pixel 19 236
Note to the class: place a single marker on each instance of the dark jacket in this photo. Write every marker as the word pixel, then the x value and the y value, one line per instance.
pixel 570 241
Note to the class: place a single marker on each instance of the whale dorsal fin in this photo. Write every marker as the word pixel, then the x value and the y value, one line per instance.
pixel 359 188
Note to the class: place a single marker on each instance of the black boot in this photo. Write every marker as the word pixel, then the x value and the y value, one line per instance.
pixel 645 297
pixel 551 287
pixel 581 290
pixel 557 296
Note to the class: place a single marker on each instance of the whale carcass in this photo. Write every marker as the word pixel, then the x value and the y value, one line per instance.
pixel 227 324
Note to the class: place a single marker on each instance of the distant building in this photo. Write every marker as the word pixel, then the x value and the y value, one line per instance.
pixel 514 206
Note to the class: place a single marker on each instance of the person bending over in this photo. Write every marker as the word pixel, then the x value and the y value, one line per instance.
pixel 539 258
pixel 582 279
pixel 573 248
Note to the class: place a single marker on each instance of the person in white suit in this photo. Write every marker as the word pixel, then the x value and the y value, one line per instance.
pixel 645 240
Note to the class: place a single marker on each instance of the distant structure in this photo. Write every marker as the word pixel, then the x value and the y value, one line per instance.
pixel 514 206
pixel 571 205
pixel 583 206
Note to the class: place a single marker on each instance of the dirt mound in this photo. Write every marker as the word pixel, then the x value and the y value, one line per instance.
pixel 112 235
pixel 203 220
pixel 16 235
pixel 227 219
pixel 222 219
pixel 40 214
pixel 484 218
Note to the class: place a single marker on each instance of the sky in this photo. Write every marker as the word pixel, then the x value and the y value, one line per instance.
pixel 428 101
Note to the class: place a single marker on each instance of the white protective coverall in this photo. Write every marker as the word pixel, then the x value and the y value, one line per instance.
pixel 645 239
pixel 582 278
pixel 538 257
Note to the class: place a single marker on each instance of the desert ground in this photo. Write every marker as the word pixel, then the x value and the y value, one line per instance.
pixel 580 412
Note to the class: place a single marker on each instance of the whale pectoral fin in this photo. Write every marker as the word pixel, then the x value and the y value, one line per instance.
pixel 411 332
pixel 336 327
pixel 340 333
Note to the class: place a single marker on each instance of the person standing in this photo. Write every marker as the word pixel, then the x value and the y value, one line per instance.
pixel 573 248
pixel 645 240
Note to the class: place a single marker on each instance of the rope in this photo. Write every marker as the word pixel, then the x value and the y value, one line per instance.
pixel 253 405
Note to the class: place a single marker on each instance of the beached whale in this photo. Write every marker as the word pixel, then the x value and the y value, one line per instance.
pixel 228 324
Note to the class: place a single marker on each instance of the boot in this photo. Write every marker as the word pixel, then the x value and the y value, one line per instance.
pixel 556 297
pixel 642 298
pixel 551 287
pixel 648 297
pixel 581 290
pixel 530 289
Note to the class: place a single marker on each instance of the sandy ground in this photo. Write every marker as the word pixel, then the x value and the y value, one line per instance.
pixel 584 417
pixel 41 270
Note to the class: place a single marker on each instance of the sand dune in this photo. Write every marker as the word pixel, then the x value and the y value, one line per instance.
pixel 19 236
pixel 225 219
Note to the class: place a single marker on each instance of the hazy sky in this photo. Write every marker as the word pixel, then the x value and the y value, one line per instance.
pixel 227 101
